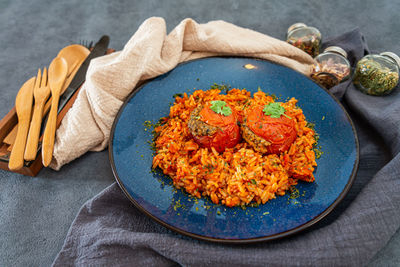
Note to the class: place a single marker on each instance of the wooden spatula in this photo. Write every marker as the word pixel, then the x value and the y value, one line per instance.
pixel 57 73
pixel 23 106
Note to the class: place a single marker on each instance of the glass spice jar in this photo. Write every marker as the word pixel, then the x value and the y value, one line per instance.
pixel 306 38
pixel 377 74
pixel 331 67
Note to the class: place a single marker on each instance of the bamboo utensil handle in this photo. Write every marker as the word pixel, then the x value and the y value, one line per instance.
pixel 23 107
pixel 34 132
pixel 17 154
pixel 74 68
pixel 58 71
pixel 41 92
pixel 10 138
pixel 49 133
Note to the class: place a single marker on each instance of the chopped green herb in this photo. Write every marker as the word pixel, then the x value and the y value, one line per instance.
pixel 275 110
pixel 147 124
pixel 316 137
pixel 220 107
pixel 176 95
pixel 294 192
pixel 318 153
pixel 316 148
pixel 223 87
pixel 253 181
pixel 274 97
pixel 310 125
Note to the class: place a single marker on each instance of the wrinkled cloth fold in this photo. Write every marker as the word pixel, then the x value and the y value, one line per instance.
pixel 109 230
pixel 149 53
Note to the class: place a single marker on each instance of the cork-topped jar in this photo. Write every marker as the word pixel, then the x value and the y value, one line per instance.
pixel 377 74
pixel 331 67
pixel 304 37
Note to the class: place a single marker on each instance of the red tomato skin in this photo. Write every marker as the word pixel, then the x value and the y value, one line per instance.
pixel 228 134
pixel 228 137
pixel 280 132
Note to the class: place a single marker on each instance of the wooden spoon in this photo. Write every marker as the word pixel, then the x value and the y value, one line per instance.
pixel 57 73
pixel 23 106
pixel 73 54
pixel 41 93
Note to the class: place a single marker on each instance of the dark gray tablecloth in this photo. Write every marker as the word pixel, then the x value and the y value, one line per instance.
pixel 109 230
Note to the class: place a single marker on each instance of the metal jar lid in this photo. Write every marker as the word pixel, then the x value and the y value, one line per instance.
pixel 337 50
pixel 392 56
pixel 296 26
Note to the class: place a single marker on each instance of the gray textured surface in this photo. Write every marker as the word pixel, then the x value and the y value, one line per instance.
pixel 35 213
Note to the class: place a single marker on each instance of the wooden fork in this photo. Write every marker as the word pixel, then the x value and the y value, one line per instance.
pixel 86 43
pixel 41 94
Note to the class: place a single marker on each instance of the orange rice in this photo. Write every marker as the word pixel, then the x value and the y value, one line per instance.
pixel 239 175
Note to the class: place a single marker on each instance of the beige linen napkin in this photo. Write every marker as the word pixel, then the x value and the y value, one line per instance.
pixel 151 52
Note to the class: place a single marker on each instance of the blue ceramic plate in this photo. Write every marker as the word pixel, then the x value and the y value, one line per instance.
pixel 153 193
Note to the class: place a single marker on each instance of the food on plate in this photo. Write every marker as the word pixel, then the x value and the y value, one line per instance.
pixel 199 146
pixel 268 129
pixel 214 125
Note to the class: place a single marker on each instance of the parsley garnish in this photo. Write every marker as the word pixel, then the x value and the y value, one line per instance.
pixel 275 110
pixel 220 107
pixel 177 95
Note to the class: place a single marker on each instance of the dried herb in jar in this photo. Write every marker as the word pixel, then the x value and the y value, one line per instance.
pixel 373 78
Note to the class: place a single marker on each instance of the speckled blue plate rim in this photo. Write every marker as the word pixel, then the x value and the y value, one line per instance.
pixel 290 232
